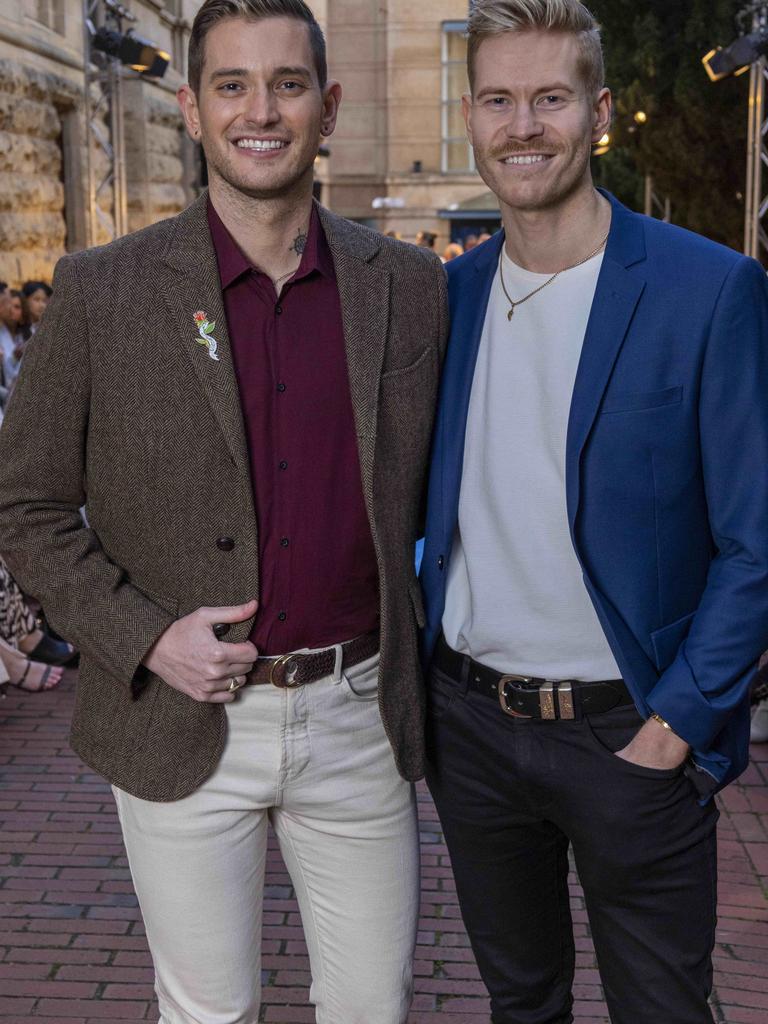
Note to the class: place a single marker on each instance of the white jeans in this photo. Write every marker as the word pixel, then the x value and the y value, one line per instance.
pixel 316 763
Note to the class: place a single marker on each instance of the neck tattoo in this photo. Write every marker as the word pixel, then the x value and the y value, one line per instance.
pixel 299 243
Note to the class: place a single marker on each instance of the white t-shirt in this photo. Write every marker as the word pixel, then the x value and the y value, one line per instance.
pixel 515 598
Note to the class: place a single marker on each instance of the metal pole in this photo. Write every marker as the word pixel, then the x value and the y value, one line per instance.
pixel 754 206
pixel 648 204
pixel 90 206
pixel 117 126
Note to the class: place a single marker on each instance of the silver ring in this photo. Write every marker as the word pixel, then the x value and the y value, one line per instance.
pixel 234 684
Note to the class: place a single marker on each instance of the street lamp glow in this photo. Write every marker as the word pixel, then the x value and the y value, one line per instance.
pixel 641 117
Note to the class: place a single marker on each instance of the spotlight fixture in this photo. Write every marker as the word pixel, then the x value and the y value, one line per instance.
pixel 133 51
pixel 736 58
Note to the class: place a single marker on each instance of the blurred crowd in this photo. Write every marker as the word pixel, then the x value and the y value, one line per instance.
pixel 31 658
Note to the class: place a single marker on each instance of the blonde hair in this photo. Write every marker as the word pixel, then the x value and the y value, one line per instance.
pixel 494 17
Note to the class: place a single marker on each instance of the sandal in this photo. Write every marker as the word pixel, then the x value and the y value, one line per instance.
pixel 25 674
pixel 52 652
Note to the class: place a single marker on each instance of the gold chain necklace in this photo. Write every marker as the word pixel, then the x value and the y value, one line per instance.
pixel 513 303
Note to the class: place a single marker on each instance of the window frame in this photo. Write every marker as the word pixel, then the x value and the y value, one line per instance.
pixel 448 29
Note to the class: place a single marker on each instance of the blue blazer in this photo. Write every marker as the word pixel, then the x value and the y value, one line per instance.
pixel 666 471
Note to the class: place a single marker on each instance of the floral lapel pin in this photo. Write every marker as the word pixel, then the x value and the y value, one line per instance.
pixel 205 330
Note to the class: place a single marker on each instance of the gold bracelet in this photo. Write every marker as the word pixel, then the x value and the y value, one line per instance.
pixel 660 720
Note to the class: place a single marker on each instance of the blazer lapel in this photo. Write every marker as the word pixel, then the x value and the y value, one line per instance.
pixel 364 295
pixel 618 292
pixel 193 285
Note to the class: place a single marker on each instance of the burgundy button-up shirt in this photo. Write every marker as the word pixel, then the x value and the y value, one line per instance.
pixel 318 572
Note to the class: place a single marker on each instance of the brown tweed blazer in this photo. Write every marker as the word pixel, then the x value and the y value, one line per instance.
pixel 119 409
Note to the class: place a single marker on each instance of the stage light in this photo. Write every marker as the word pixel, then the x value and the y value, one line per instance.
pixel 736 58
pixel 133 51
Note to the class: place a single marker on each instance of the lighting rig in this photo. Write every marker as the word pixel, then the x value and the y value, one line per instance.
pixel 111 52
pixel 748 53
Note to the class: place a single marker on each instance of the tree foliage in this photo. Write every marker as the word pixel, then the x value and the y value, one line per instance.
pixel 694 141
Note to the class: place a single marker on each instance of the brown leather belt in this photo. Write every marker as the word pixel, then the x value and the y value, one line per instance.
pixel 296 669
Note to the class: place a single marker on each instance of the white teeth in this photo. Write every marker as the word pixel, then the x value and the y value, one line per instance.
pixel 260 145
pixel 522 160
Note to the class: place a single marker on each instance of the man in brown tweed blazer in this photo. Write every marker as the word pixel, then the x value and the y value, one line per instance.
pixel 242 399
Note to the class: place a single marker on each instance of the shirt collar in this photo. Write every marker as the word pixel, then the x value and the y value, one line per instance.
pixel 232 261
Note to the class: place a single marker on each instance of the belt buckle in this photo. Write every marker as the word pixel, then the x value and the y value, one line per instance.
pixel 290 662
pixel 546 697
pixel 503 694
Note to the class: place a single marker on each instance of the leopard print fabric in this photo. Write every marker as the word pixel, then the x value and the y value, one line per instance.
pixel 16 618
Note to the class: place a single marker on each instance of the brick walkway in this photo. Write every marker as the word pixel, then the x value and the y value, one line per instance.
pixel 72 945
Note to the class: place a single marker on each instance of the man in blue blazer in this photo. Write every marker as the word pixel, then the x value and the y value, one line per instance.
pixel 596 557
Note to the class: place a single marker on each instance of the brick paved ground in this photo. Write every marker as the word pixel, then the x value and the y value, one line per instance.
pixel 72 945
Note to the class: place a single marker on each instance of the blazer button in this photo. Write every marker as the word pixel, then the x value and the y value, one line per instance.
pixel 225 544
pixel 440 563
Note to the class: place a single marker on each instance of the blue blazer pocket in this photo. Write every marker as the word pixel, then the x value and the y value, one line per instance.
pixel 666 641
pixel 628 401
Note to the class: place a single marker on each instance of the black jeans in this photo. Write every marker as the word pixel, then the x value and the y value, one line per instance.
pixel 512 794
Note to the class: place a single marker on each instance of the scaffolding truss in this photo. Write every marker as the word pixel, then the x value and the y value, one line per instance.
pixel 107 206
pixel 756 202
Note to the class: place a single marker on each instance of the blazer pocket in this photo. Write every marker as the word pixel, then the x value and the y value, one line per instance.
pixel 418 603
pixel 403 374
pixel 666 641
pixel 637 401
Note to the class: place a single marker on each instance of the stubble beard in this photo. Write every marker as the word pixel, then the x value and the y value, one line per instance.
pixel 285 187
pixel 565 184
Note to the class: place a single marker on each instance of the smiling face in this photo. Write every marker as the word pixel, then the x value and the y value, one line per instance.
pixel 260 110
pixel 531 119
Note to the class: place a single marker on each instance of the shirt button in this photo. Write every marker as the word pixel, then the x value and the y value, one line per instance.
pixel 282 616
pixel 283 464
pixel 278 310
pixel 225 544
pixel 284 542
pixel 281 387
pixel 440 563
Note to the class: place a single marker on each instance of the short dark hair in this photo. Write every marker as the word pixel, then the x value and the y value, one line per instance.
pixel 30 287
pixel 214 11
pixel 3 287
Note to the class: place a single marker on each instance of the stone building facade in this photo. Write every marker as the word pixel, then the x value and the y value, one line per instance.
pixel 398 160
pixel 399 157
pixel 43 137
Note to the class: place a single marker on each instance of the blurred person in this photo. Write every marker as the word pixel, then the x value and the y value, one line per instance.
pixel 34 299
pixel 484 237
pixel 451 251
pixel 15 311
pixel 426 239
pixel 595 566
pixel 397 235
pixel 470 242
pixel 247 420
pixel 9 344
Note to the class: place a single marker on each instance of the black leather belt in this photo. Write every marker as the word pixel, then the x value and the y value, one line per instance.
pixel 529 696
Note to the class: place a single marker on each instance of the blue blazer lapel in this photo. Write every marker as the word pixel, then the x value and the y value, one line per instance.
pixel 469 290
pixel 618 292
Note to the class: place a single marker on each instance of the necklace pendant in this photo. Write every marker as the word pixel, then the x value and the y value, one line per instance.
pixel 511 312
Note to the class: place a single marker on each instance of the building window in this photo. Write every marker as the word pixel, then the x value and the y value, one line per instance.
pixel 52 14
pixel 457 156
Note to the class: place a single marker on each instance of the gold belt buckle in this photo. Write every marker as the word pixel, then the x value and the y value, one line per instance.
pixel 503 696
pixel 291 671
